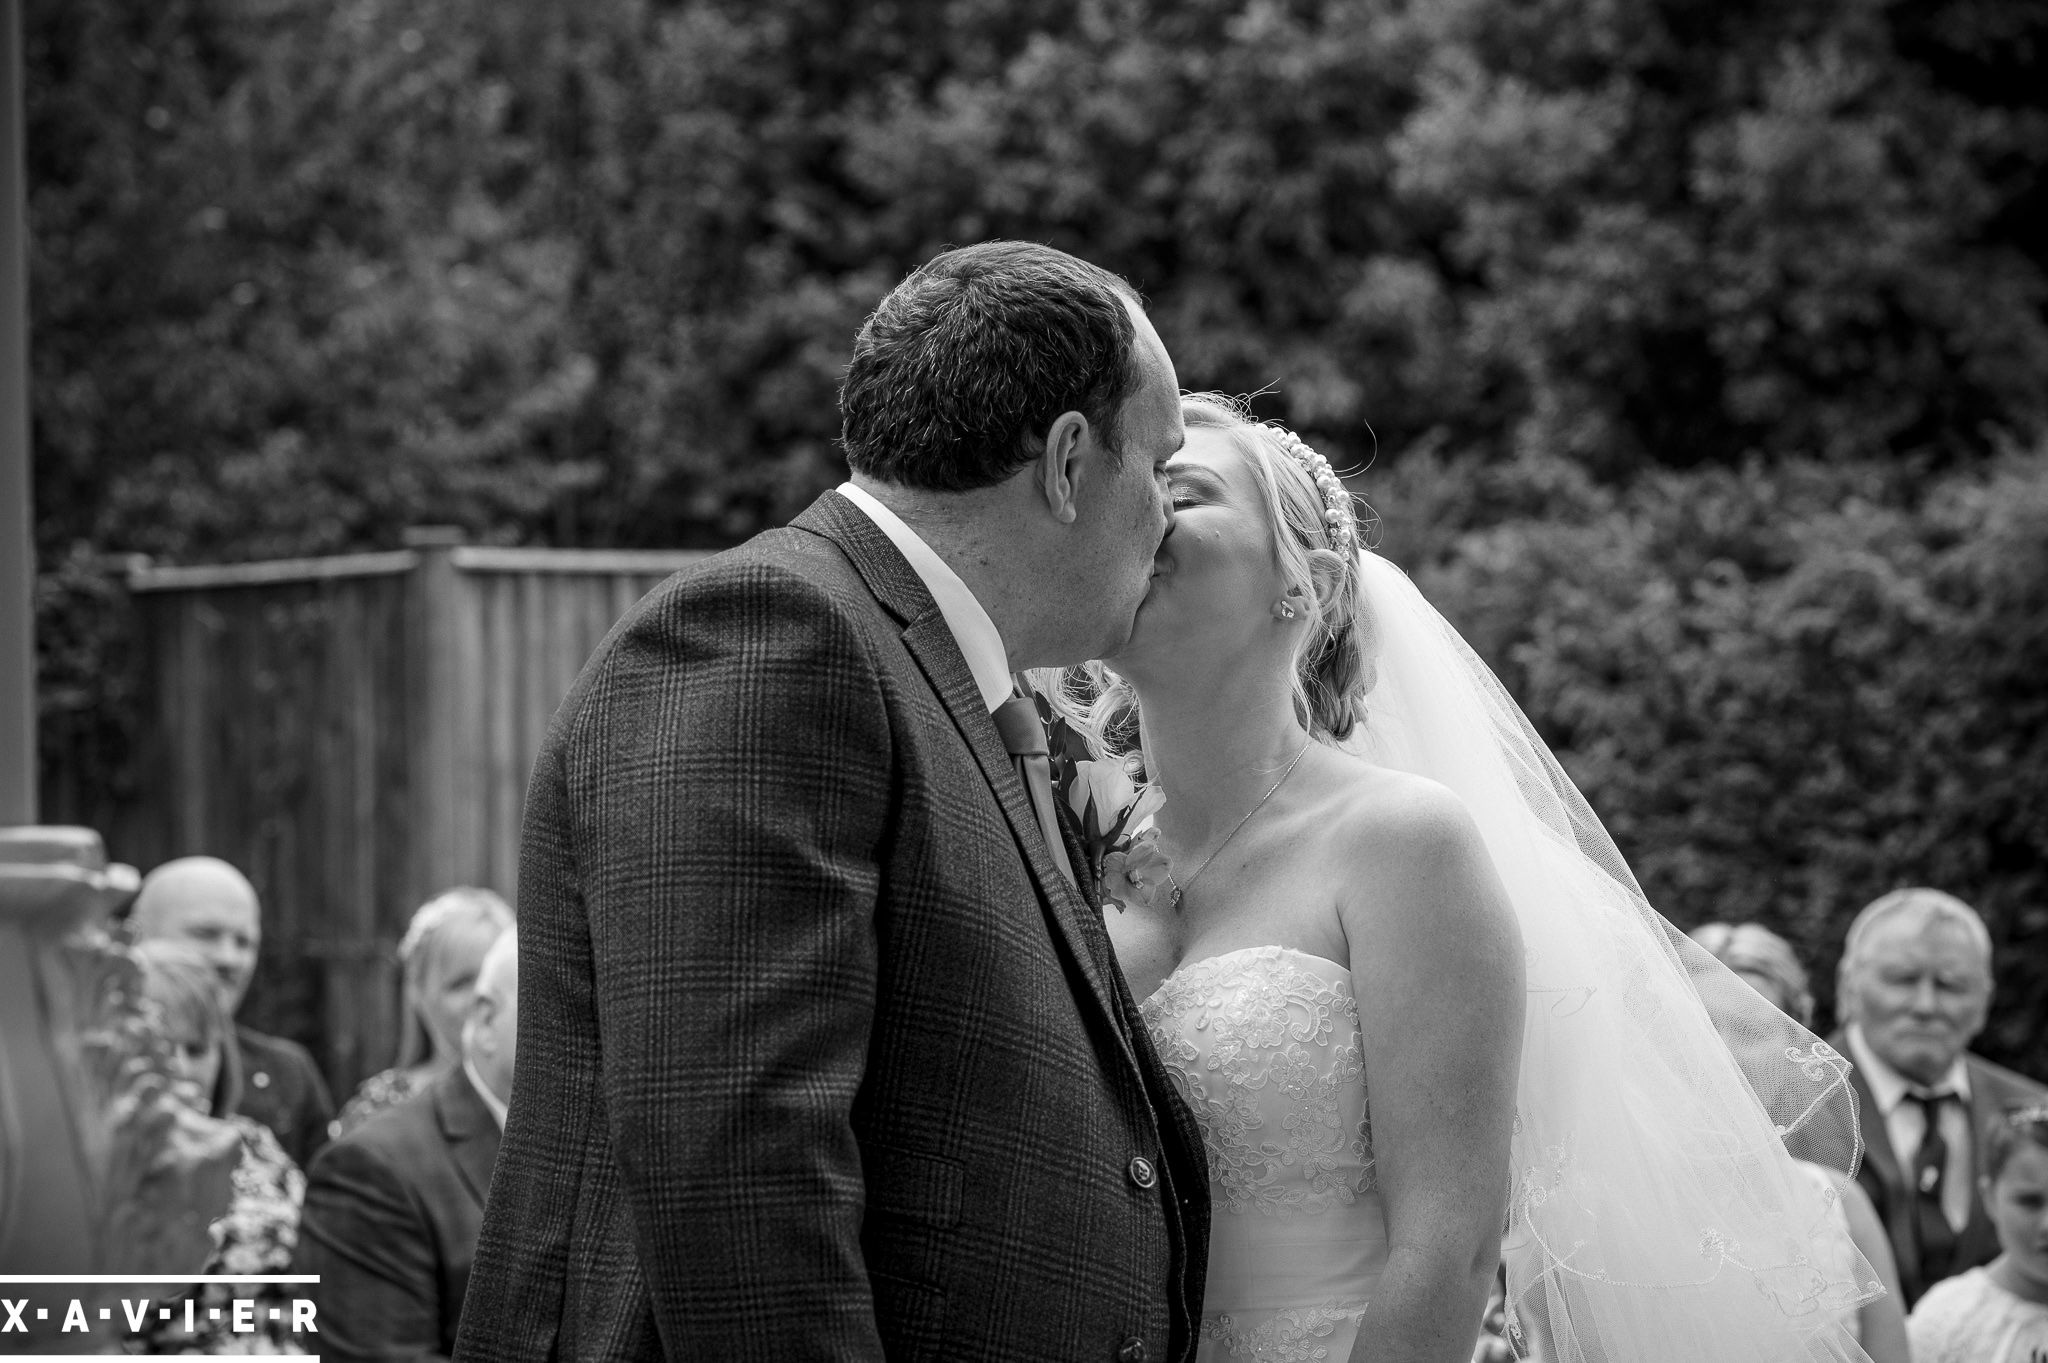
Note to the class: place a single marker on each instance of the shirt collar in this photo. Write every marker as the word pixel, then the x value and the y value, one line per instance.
pixel 491 1100
pixel 979 641
pixel 1890 1087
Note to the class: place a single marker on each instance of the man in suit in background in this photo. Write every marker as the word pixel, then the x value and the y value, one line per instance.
pixel 824 1051
pixel 393 1208
pixel 1914 988
pixel 207 902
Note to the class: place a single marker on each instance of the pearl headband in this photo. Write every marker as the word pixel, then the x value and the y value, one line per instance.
pixel 1340 520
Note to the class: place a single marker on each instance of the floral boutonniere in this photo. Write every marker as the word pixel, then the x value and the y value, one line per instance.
pixel 1114 817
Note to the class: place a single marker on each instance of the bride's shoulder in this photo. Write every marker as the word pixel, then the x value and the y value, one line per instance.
pixel 1384 812
pixel 1412 853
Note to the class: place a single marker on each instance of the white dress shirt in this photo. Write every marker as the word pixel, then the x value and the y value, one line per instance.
pixel 1905 1124
pixel 492 1101
pixel 980 643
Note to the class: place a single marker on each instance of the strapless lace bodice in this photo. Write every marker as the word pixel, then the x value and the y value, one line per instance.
pixel 1263 1043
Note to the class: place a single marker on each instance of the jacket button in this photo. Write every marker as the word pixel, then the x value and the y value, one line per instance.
pixel 1142 1173
pixel 1132 1350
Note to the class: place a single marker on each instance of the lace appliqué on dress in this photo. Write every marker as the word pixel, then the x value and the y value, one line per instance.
pixel 1275 1031
pixel 1296 1335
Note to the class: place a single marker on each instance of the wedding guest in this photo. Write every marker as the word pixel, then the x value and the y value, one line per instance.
pixel 208 904
pixel 179 986
pixel 1914 988
pixel 438 956
pixel 1766 962
pixel 1999 1313
pixel 393 1207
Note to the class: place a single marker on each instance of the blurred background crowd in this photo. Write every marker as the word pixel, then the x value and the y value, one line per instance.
pixel 382 1196
pixel 1694 356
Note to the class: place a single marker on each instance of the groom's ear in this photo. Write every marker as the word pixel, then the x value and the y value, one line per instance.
pixel 1059 465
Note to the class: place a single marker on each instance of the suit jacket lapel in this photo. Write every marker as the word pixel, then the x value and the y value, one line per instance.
pixel 1880 1177
pixel 469 1129
pixel 902 593
pixel 1078 924
pixel 1877 1140
pixel 1979 1239
pixel 1077 857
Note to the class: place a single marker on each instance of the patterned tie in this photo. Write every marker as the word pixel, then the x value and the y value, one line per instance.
pixel 1930 1172
pixel 1024 736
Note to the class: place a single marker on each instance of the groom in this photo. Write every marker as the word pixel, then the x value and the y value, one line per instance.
pixel 822 1055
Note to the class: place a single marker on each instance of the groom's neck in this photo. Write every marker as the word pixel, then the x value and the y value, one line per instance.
pixel 978 535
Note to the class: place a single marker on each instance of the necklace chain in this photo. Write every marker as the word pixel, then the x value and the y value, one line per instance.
pixel 1180 890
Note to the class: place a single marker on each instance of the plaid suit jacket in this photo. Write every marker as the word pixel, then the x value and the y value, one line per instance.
pixel 819 1055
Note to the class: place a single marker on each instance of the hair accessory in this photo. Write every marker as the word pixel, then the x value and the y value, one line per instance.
pixel 1340 520
pixel 2027 1116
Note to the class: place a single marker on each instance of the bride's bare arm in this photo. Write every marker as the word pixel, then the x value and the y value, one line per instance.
pixel 1438 963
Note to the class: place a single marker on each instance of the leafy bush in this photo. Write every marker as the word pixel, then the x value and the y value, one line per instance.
pixel 1786 690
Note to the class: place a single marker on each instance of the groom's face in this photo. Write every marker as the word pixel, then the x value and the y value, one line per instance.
pixel 1125 513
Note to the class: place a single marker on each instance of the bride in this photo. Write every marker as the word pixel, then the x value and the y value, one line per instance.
pixel 1412 993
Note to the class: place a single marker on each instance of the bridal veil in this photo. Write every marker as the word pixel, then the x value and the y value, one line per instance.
pixel 1657 1209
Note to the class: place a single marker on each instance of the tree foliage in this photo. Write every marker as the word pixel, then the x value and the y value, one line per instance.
pixel 1698 345
pixel 1785 689
pixel 307 270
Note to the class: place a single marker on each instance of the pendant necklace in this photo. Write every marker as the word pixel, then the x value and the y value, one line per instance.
pixel 1179 889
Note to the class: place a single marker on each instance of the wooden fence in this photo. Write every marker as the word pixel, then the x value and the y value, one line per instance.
pixel 356 734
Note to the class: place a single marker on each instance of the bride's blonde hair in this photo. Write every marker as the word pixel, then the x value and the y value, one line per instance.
pixel 1333 656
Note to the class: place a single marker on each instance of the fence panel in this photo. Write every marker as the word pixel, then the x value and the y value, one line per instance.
pixel 356 733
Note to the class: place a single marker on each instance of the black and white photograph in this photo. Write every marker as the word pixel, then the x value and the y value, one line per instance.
pixel 1129 681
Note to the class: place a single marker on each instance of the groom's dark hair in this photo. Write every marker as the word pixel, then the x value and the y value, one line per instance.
pixel 959 371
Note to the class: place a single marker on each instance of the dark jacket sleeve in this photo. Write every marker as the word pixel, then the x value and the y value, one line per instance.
pixel 728 787
pixel 311 1112
pixel 363 1231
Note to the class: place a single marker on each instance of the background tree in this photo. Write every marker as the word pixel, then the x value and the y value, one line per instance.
pixel 1696 354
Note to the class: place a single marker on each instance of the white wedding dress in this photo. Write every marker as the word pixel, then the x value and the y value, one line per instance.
pixel 1656 1209
pixel 1264 1046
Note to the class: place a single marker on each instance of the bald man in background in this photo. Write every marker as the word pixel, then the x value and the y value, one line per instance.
pixel 208 903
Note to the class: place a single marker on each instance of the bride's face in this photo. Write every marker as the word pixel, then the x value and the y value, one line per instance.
pixel 1216 579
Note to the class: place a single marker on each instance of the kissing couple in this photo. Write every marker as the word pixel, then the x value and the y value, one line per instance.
pixel 842 1038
